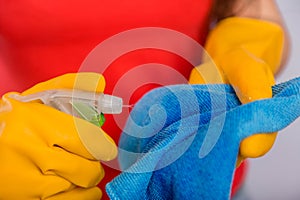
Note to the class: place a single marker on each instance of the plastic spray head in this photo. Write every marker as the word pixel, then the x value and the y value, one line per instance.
pixel 87 105
pixel 110 104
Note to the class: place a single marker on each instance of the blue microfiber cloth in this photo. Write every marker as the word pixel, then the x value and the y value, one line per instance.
pixel 182 141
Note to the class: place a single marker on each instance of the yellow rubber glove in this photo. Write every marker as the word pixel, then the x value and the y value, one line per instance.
pixel 47 154
pixel 247 53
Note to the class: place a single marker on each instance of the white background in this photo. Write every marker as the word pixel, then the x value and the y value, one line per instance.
pixel 276 176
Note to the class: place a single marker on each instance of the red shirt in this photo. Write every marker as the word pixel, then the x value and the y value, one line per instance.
pixel 43 39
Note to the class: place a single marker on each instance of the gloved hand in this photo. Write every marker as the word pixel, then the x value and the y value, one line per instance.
pixel 47 154
pixel 172 148
pixel 247 53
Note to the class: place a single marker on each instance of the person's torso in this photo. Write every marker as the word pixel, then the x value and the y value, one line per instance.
pixel 43 39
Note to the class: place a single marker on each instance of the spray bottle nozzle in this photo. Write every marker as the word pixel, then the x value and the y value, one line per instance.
pixel 87 105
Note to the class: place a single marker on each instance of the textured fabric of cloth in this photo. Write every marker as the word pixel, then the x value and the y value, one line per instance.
pixel 182 141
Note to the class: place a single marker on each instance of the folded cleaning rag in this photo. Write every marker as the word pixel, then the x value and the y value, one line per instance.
pixel 182 141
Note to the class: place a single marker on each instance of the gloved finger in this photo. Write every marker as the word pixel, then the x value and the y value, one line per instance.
pixel 51 185
pixel 257 145
pixel 80 137
pixel 28 176
pixel 56 128
pixel 252 80
pixel 77 170
pixel 93 193
pixel 82 81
